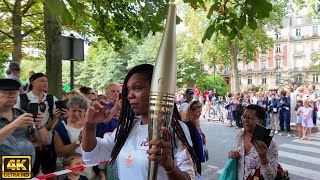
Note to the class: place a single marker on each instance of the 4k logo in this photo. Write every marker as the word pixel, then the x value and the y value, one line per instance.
pixel 16 167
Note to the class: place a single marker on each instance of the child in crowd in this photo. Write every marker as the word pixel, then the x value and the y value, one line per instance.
pixel 72 160
pixel 306 116
pixel 298 119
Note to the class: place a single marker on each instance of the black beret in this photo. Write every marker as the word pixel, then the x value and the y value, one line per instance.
pixel 34 77
pixel 9 84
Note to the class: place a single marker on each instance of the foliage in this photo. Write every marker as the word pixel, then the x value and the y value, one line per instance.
pixel 313 6
pixel 206 82
pixel 103 65
pixel 21 22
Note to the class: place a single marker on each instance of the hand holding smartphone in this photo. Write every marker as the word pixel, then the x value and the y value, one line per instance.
pixel 61 104
pixel 33 109
pixel 263 134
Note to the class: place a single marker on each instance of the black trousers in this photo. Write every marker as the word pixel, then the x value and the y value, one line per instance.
pixel 237 117
pixel 47 159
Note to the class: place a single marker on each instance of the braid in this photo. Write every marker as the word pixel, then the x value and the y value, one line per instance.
pixel 177 129
pixel 125 121
pixel 126 118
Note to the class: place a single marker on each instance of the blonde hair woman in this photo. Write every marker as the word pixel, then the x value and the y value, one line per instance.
pixel 198 138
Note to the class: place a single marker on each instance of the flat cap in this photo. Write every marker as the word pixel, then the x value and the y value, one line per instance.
pixel 9 84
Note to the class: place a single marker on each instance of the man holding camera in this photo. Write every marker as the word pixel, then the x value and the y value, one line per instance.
pixel 17 128
pixel 38 88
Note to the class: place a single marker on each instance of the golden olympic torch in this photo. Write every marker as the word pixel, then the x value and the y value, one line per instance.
pixel 163 85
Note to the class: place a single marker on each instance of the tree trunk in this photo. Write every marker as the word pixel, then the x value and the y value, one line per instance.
pixel 233 48
pixel 53 53
pixel 17 36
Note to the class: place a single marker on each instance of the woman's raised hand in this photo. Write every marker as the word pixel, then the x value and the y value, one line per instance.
pixel 96 112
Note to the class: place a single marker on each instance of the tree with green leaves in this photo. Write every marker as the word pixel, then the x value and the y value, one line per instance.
pixel 239 29
pixel 21 23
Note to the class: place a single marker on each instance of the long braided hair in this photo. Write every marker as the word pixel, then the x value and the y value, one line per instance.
pixel 125 121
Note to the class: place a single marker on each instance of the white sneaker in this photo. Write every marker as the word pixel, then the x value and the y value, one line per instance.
pixel 280 134
pixel 276 132
pixel 289 135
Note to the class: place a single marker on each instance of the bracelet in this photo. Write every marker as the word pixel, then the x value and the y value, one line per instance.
pixel 174 168
pixel 38 128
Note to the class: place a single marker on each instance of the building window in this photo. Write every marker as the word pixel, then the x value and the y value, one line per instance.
pixel 298 32
pixel 315 30
pixel 298 47
pixel 278 36
pixel 264 64
pixel 315 78
pixel 249 80
pixel 239 65
pixel 278 79
pixel 315 45
pixel 299 20
pixel 250 66
pixel 264 80
pixel 299 78
pixel 278 63
pixel 299 63
pixel 315 19
pixel 278 49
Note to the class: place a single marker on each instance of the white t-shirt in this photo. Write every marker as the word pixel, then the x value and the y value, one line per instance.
pixel 132 160
pixel 34 99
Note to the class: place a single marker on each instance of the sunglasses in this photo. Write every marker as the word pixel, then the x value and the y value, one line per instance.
pixel 248 118
pixel 43 107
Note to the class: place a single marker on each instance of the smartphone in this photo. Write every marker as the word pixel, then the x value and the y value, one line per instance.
pixel 61 104
pixel 120 94
pixel 263 134
pixel 33 109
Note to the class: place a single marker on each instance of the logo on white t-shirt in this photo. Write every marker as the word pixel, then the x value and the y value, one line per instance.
pixel 128 160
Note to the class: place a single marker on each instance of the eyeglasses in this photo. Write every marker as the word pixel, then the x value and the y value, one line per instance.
pixel 248 118
pixel 43 107
pixel 8 93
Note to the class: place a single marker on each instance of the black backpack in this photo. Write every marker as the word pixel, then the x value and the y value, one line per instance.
pixel 24 101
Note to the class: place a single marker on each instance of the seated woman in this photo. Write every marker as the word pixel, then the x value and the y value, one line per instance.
pixel 128 146
pixel 68 132
pixel 197 137
pixel 253 155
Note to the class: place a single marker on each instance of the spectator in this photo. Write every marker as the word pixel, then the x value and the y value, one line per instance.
pixel 15 71
pixel 110 123
pixel 249 154
pixel 198 138
pixel 184 105
pixel 230 106
pixel 208 104
pixel 67 133
pixel 89 93
pixel 26 86
pixel 298 119
pixel 16 126
pixel 38 88
pixel 284 114
pixel 306 115
pixel 72 160
pixel 274 107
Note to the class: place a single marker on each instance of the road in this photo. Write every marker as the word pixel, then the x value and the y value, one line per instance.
pixel 300 158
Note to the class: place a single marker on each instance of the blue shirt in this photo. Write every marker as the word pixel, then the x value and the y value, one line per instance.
pixel 104 127
pixel 19 142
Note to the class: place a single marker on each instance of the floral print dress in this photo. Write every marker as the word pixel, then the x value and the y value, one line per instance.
pixel 248 163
